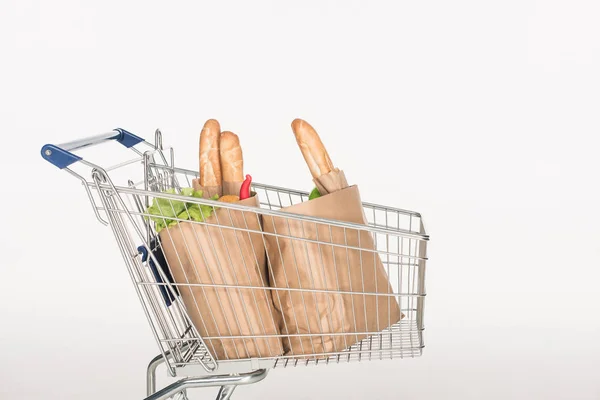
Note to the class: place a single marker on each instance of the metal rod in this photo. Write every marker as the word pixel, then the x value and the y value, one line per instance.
pixel 151 373
pixel 287 289
pixel 208 381
pixel 225 392
pixel 89 141
pixel 372 333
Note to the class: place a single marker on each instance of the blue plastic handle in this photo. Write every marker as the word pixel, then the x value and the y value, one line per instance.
pixel 61 155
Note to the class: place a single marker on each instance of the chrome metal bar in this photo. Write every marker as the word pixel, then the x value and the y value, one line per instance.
pixel 89 141
pixel 87 185
pixel 287 289
pixel 151 373
pixel 225 392
pixel 208 381
pixel 372 333
pixel 124 163
pixel 421 288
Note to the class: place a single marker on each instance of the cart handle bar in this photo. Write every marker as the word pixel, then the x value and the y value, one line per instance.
pixel 61 156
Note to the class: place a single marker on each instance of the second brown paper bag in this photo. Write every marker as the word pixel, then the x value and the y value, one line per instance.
pixel 348 264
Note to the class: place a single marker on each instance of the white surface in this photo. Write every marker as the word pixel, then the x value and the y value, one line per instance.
pixel 481 115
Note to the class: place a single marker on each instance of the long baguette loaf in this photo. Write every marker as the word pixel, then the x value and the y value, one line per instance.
pixel 232 162
pixel 210 164
pixel 312 148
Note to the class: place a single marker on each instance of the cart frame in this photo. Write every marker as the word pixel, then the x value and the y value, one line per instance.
pixel 183 350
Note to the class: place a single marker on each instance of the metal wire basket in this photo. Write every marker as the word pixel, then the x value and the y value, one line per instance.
pixel 120 196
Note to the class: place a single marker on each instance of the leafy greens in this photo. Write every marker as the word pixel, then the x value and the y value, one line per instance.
pixel 314 194
pixel 164 211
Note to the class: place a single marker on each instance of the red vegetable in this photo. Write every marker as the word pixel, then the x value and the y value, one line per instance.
pixel 245 189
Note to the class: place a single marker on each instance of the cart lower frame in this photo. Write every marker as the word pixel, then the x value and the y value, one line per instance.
pixel 226 383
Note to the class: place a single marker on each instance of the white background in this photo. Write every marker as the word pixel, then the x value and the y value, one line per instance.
pixel 483 116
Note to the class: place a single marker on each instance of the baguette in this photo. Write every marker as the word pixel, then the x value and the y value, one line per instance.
pixel 210 165
pixel 229 198
pixel 232 162
pixel 312 148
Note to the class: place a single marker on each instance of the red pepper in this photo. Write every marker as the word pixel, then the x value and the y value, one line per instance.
pixel 245 189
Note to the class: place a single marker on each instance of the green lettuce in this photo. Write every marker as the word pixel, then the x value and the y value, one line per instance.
pixel 163 211
pixel 314 194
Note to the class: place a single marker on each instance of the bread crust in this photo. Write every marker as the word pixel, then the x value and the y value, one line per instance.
pixel 312 148
pixel 232 162
pixel 209 155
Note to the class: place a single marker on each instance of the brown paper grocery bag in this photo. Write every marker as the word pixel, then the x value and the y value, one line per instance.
pixel 299 264
pixel 213 254
pixel 207 191
pixel 232 188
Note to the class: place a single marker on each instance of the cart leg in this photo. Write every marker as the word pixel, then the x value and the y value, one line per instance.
pixel 225 392
pixel 151 374
pixel 227 383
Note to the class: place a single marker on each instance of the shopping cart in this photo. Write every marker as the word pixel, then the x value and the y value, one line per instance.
pixel 120 196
